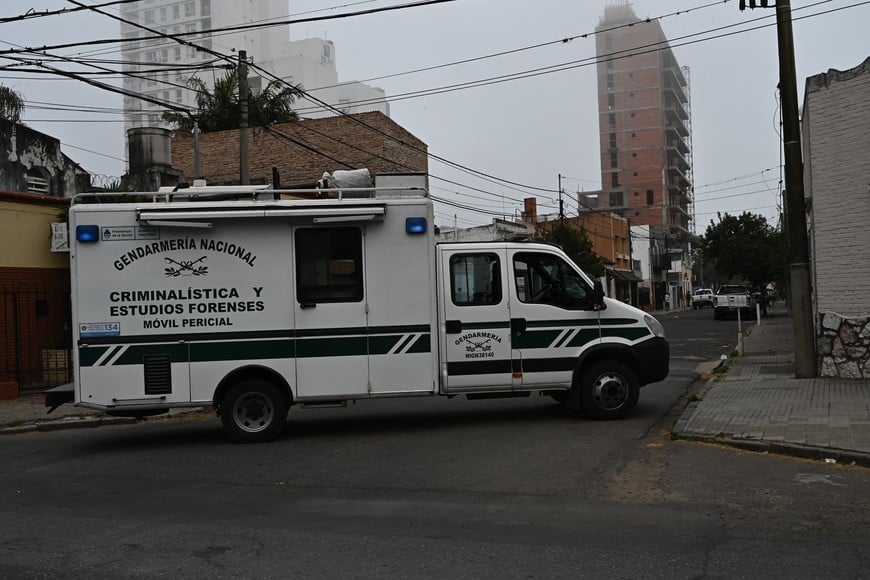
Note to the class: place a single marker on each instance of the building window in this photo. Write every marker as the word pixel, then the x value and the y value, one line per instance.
pixel 649 197
pixel 614 181
pixel 176 12
pixel 38 181
pixel 205 7
pixel 612 118
pixel 616 198
pixel 149 17
pixel 329 269
pixel 608 41
pixel 611 101
pixel 609 81
pixel 190 8
pixel 176 53
pixel 609 65
pixel 613 140
pixel 614 159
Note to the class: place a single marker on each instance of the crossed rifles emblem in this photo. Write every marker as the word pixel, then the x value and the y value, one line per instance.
pixel 186 267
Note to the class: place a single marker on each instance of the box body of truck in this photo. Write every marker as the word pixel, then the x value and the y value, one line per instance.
pixel 255 302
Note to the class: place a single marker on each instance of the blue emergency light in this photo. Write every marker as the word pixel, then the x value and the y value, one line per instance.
pixel 88 234
pixel 415 225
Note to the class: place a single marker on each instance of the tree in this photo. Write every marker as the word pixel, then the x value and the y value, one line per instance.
pixel 218 109
pixel 11 104
pixel 745 247
pixel 575 242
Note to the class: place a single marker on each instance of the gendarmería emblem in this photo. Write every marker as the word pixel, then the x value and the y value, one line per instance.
pixel 478 344
pixel 186 267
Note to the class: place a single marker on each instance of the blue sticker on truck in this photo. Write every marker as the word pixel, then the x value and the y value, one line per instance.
pixel 93 329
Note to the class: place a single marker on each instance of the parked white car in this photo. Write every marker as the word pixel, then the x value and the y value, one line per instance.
pixel 702 297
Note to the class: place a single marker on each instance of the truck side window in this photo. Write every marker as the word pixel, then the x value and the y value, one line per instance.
pixel 547 279
pixel 329 265
pixel 475 279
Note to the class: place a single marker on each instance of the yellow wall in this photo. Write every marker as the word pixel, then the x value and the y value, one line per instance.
pixel 25 236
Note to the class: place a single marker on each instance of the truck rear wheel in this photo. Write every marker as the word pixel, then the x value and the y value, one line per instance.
pixel 608 390
pixel 253 411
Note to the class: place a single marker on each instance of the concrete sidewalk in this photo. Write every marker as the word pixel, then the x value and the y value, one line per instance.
pixel 758 404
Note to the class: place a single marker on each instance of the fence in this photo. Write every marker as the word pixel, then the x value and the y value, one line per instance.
pixel 35 343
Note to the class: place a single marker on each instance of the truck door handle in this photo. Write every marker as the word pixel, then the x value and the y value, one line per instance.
pixel 453 326
pixel 308 305
pixel 518 325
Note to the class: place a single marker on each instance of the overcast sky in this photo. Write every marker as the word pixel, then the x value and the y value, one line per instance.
pixel 526 131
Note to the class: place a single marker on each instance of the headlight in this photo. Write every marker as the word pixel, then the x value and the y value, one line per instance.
pixel 654 325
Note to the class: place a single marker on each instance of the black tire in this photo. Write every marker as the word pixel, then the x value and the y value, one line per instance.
pixel 254 411
pixel 608 390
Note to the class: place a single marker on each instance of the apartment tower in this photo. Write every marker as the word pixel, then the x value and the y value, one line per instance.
pixel 644 124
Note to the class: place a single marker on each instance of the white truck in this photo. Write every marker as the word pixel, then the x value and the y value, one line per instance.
pixel 253 301
pixel 733 300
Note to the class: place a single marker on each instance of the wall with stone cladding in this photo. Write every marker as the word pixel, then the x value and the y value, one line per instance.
pixel 844 346
pixel 303 151
pixel 836 135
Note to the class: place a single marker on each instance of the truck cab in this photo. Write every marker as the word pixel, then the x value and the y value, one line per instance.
pixel 519 316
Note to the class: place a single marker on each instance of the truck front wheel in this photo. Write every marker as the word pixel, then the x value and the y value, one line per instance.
pixel 608 390
pixel 253 411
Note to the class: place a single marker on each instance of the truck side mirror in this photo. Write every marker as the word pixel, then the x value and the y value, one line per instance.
pixel 598 296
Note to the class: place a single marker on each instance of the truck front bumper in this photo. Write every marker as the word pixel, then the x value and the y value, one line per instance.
pixel 654 357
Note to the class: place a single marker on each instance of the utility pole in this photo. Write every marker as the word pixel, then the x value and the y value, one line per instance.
pixel 796 219
pixel 196 173
pixel 561 203
pixel 244 163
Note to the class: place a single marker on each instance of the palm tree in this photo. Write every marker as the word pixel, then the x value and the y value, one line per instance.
pixel 11 104
pixel 218 109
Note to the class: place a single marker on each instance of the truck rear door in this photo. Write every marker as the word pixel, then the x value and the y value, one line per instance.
pixel 330 311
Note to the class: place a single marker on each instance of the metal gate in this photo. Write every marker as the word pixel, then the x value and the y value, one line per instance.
pixel 35 337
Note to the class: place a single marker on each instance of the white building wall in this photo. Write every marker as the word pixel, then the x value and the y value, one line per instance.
pixel 640 248
pixel 836 141
pixel 836 129
pixel 309 62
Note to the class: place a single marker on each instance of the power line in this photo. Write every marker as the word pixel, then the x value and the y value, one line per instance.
pixel 237 28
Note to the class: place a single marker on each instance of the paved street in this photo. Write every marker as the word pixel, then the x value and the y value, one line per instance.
pixel 431 488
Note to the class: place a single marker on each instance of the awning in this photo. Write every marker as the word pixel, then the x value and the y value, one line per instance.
pixel 625 275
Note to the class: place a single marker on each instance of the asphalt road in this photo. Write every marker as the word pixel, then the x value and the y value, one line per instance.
pixel 432 488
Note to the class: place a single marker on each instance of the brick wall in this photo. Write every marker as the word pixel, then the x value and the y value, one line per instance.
pixel 304 150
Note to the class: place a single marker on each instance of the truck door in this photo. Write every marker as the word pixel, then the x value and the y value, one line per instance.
pixel 553 320
pixel 329 302
pixel 476 314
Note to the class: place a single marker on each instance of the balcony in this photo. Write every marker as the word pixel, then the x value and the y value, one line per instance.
pixel 678 178
pixel 675 108
pixel 675 125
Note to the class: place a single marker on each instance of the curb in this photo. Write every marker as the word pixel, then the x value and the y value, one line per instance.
pixel 66 423
pixel 839 456
pixel 90 421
